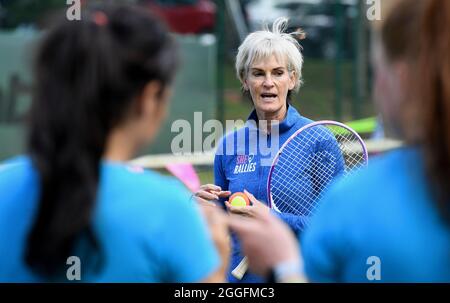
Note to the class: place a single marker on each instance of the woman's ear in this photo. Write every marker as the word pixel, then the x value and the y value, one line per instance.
pixel 153 106
pixel 150 100
pixel 292 80
pixel 245 85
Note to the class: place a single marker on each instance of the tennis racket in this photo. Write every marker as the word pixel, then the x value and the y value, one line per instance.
pixel 306 165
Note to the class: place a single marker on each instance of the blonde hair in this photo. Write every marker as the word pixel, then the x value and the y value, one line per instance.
pixel 262 44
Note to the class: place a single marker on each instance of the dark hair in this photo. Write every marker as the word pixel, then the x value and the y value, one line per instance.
pixel 88 74
pixel 419 33
pixel 400 31
pixel 434 92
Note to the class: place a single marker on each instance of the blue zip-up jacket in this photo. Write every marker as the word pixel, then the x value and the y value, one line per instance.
pixel 243 161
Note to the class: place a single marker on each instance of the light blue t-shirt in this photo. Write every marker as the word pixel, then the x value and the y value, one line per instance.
pixel 147 227
pixel 381 222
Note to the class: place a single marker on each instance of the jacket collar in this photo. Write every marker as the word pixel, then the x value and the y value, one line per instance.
pixel 291 118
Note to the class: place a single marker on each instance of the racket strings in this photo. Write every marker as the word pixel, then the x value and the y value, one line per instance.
pixel 308 164
pixel 289 193
pixel 318 176
pixel 320 172
pixel 350 147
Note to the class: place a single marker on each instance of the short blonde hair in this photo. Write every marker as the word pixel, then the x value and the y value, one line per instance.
pixel 262 44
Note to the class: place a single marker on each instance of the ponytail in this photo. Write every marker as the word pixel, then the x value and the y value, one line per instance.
pixel 87 75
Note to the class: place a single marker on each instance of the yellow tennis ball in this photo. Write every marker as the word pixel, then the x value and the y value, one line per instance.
pixel 239 200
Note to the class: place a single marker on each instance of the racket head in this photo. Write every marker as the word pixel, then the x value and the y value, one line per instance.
pixel 308 161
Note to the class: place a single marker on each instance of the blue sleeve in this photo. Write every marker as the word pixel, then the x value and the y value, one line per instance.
pixel 321 163
pixel 335 155
pixel 187 246
pixel 340 162
pixel 299 223
pixel 296 223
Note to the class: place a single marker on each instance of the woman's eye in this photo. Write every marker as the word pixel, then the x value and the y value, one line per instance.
pixel 279 73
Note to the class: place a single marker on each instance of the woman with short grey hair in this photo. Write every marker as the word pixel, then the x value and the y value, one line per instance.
pixel 261 45
pixel 269 67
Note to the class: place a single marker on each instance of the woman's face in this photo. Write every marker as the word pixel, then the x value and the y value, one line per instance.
pixel 269 82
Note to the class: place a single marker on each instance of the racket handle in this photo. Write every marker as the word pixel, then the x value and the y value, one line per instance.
pixel 241 269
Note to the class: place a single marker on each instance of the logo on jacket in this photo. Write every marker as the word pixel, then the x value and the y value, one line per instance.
pixel 245 164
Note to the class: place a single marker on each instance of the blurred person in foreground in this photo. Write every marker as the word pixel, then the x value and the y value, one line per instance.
pixel 102 87
pixel 405 224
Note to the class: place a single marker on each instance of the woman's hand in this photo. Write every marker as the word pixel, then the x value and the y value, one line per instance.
pixel 210 192
pixel 266 241
pixel 253 210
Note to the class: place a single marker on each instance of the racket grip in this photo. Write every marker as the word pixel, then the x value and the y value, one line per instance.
pixel 241 269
